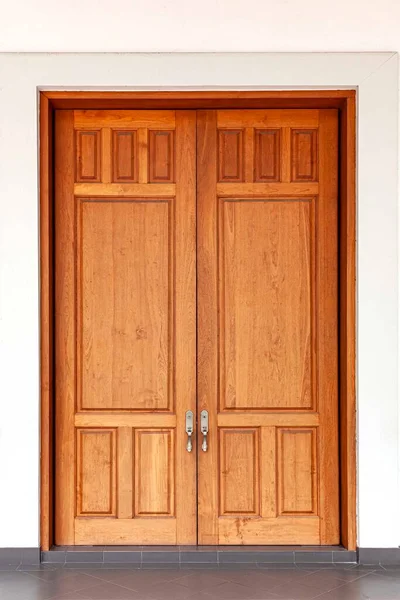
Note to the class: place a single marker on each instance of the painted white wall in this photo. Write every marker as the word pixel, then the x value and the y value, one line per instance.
pixel 376 78
pixel 204 26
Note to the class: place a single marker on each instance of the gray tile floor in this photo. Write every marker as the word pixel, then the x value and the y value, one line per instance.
pixel 274 582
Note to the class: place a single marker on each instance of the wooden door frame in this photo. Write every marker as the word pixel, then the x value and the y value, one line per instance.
pixel 345 102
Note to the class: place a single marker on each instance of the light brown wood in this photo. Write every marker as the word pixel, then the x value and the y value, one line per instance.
pixel 126 419
pixel 267 332
pixel 266 419
pixel 327 330
pixel 46 324
pixel 123 119
pixel 283 531
pixel 65 360
pixel 207 322
pixel 125 469
pixel 98 530
pixel 266 119
pixel 343 99
pixel 263 190
pixel 139 190
pixel 348 325
pixel 125 328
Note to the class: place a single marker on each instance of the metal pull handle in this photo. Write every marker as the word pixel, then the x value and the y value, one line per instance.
pixel 189 430
pixel 204 429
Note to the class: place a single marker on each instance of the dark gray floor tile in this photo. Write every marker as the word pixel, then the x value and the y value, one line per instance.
pixel 76 583
pixel 236 591
pixel 313 557
pixel 54 557
pixel 323 581
pixel 200 557
pixel 110 591
pixel 82 565
pixel 84 557
pixel 122 557
pixel 127 566
pixel 296 590
pixel 255 557
pixel 201 581
pixel 160 557
pixel 149 566
pixel 10 556
pixel 169 591
pixel 275 557
pixel 275 565
pixel 69 596
pixel 52 574
pixel 345 556
pixel 261 579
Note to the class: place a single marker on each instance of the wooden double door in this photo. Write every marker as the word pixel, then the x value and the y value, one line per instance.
pixel 196 269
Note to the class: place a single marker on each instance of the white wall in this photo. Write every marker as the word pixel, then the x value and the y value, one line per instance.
pixel 201 26
pixel 224 25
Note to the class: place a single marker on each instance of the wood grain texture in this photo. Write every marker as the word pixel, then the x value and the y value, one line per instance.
pixel 239 476
pixel 154 473
pixel 124 155
pixel 282 531
pixel 266 273
pixel 161 156
pixel 124 337
pixel 65 360
pixel 304 154
pixel 127 190
pixel 117 532
pixel 230 155
pixel 263 269
pixel 261 119
pixel 46 325
pixel 207 322
pixel 282 99
pixel 88 156
pixel 327 301
pixel 347 290
pixel 344 99
pixel 122 420
pixel 96 472
pixel 88 119
pixel 185 325
pixel 261 190
pixel 125 472
pixel 297 471
pixel 267 155
pixel 125 315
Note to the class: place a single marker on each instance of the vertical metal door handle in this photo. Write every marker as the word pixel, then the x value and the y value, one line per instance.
pixel 189 430
pixel 204 429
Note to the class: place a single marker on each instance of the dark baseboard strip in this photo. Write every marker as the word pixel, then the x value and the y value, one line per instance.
pixel 19 556
pixel 379 556
pixel 202 555
pixel 142 557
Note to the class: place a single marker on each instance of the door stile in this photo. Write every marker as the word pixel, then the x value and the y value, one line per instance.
pixel 207 322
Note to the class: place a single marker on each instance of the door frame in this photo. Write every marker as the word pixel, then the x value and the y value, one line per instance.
pixel 345 102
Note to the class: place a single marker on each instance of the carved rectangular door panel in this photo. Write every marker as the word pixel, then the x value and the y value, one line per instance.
pixel 125 309
pixel 267 253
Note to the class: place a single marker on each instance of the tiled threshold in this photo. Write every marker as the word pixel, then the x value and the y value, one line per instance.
pixel 143 556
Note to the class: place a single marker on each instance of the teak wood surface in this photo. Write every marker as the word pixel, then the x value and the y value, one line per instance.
pixel 344 101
